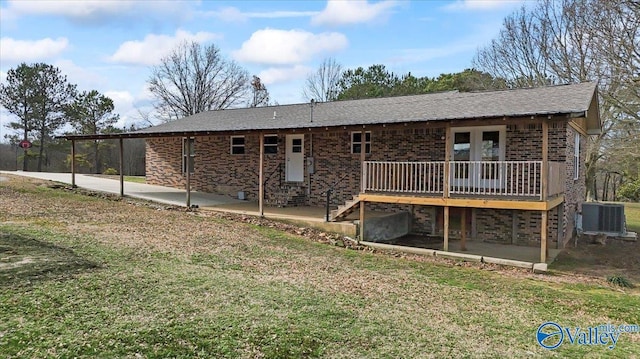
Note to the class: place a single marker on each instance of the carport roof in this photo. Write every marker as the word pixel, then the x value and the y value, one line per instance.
pixel 575 100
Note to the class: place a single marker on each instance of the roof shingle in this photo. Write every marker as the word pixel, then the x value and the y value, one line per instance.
pixel 562 99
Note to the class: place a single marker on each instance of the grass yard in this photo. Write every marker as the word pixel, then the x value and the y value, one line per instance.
pixel 136 179
pixel 83 276
pixel 632 214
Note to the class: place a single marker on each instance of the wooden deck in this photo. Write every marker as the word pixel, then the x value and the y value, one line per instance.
pixel 471 201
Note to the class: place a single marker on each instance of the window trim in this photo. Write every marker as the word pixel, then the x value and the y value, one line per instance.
pixel 271 144
pixel 232 146
pixel 360 142
pixel 192 155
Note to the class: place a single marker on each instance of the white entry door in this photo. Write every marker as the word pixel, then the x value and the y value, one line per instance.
pixel 295 158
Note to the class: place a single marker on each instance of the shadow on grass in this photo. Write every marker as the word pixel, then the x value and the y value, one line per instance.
pixel 25 260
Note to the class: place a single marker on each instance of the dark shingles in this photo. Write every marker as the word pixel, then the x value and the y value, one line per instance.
pixel 563 99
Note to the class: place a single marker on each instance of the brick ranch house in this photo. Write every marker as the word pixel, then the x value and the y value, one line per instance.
pixel 505 166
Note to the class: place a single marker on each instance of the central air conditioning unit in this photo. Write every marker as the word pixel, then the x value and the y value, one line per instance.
pixel 603 217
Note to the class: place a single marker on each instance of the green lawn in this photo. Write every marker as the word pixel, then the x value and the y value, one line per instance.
pixel 632 214
pixel 88 277
pixel 136 179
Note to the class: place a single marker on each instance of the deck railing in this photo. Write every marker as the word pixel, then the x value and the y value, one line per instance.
pixel 404 177
pixel 474 178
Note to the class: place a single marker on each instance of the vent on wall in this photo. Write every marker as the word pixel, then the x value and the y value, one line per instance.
pixel 603 217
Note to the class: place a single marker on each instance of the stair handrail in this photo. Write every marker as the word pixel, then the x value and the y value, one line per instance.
pixel 328 192
pixel 264 183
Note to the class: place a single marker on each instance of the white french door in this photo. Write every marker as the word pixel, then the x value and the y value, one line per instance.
pixel 476 154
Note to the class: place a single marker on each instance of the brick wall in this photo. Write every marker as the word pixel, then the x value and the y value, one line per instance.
pixel 334 161
pixel 575 189
pixel 216 170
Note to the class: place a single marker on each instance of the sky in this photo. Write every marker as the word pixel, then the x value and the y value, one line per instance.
pixel 111 46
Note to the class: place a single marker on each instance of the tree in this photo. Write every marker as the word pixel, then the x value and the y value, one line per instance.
pixel 376 81
pixel 38 95
pixel 260 94
pixel 323 85
pixel 568 41
pixel 91 113
pixel 18 97
pixel 195 78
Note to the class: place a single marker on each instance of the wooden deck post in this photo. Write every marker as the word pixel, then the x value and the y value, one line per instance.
pixel 121 168
pixel 447 156
pixel 543 238
pixel 544 171
pixel 73 164
pixel 261 177
pixel 363 157
pixel 463 230
pixel 446 229
pixel 362 208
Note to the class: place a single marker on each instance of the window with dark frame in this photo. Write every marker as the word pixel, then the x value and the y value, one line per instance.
pixel 188 143
pixel 237 145
pixel 270 144
pixel 356 142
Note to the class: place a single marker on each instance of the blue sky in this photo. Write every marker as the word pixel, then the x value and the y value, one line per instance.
pixel 110 46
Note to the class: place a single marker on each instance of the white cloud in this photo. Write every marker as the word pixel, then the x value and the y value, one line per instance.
pixel 340 12
pixel 233 14
pixel 283 74
pixel 154 47
pixel 81 76
pixel 96 12
pixel 281 47
pixel 481 4
pixel 13 50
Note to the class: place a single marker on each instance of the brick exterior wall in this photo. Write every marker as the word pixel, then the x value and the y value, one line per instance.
pixel 218 171
pixel 575 189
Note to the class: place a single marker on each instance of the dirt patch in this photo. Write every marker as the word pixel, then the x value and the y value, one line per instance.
pixel 26 260
pixel 614 257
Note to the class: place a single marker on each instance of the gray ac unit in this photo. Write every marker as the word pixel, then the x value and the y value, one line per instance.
pixel 603 217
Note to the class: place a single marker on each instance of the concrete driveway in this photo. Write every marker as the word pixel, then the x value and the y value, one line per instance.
pixel 149 192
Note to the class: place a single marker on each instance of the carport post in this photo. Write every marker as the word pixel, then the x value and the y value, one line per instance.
pixel 260 177
pixel 121 168
pixel 188 169
pixel 73 164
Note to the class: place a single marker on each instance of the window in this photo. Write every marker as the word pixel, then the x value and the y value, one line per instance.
pixel 270 144
pixel 188 153
pixel 356 142
pixel 237 145
pixel 576 157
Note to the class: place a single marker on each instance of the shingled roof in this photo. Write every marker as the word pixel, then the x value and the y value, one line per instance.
pixel 564 99
pixel 574 100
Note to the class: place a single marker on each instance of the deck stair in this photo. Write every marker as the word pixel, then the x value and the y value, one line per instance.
pixel 344 210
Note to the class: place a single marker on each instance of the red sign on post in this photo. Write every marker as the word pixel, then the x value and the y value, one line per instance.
pixel 25 144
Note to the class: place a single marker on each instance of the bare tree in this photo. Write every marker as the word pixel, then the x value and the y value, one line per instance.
pixel 568 41
pixel 323 85
pixel 260 94
pixel 195 78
